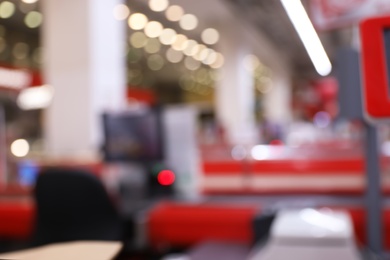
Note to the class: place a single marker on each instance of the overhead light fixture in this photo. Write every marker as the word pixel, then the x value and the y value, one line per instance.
pixel 299 18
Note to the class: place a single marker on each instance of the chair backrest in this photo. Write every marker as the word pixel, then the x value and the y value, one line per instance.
pixel 73 205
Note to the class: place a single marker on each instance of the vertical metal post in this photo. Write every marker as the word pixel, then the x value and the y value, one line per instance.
pixel 373 191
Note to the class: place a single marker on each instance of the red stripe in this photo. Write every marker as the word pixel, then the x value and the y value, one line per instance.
pixel 223 167
pixel 285 166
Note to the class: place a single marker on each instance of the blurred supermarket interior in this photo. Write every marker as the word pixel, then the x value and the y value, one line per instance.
pixel 207 129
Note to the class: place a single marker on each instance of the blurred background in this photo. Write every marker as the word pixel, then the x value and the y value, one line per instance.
pixel 186 112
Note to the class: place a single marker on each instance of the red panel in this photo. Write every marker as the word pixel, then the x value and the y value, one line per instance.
pixel 375 83
pixel 142 95
pixel 184 225
pixel 16 220
pixel 309 166
pixel 283 166
pixel 223 167
pixel 286 191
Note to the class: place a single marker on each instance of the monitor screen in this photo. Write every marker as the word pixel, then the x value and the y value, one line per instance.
pixel 133 136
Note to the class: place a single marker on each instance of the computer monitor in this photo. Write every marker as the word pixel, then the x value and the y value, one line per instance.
pixel 133 137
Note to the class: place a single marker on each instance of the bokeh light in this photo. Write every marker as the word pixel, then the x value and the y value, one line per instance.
pixel 174 13
pixel 168 36
pixel 33 19
pixel 210 36
pixel 211 58
pixel 188 22
pixel 166 177
pixel 20 50
pixel 174 56
pixel 153 29
pixel 152 46
pixel 137 21
pixel 198 55
pixel 158 5
pixel 20 148
pixel 121 12
pixel 191 64
pixel 180 42
pixel 192 48
pixel 138 40
pixel 155 62
pixel 7 9
pixel 220 60
pixel 260 152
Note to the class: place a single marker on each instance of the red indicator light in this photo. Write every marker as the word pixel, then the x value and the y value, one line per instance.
pixel 166 177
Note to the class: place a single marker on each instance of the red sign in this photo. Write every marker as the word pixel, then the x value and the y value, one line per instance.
pixel 375 72
pixel 329 14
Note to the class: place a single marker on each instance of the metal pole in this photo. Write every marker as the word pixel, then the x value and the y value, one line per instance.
pixel 373 191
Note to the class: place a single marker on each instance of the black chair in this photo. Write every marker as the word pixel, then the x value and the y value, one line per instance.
pixel 73 205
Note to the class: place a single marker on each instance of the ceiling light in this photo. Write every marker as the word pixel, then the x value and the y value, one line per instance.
pixel 33 19
pixel 158 5
pixel 299 18
pixel 137 21
pixel 180 42
pixel 121 12
pixel 29 1
pixel 174 13
pixel 174 56
pixel 138 40
pixel 7 9
pixel 210 36
pixel 153 29
pixel 188 22
pixel 168 36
